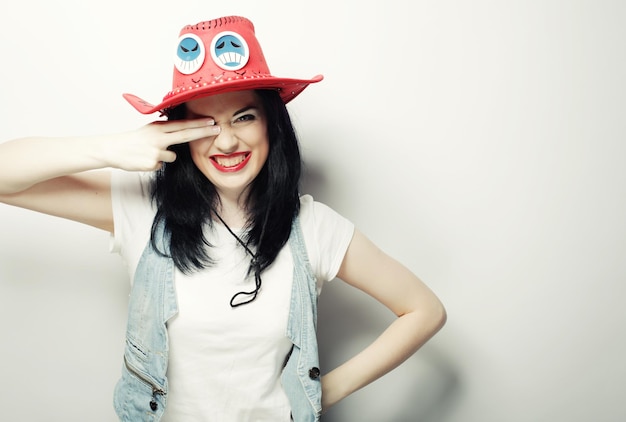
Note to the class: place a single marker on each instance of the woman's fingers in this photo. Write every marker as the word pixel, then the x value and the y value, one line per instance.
pixel 176 125
pixel 168 156
pixel 191 134
pixel 181 131
pixel 147 148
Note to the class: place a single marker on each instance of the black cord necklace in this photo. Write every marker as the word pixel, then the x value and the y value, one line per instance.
pixel 254 265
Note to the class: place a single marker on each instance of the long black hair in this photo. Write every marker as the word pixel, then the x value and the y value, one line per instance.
pixel 187 201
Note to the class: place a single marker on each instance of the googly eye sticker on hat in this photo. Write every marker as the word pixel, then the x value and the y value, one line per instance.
pixel 229 50
pixel 190 54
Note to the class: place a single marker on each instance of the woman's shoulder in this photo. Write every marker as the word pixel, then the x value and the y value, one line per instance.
pixel 310 209
pixel 327 235
pixel 320 217
pixel 306 201
pixel 132 179
pixel 133 209
pixel 309 204
pixel 131 187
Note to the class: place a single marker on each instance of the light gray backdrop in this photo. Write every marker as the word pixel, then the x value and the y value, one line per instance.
pixel 481 143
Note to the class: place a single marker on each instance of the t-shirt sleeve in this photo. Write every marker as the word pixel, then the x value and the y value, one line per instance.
pixel 327 235
pixel 132 212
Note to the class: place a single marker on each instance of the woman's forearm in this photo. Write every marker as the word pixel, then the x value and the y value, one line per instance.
pixel 28 161
pixel 396 344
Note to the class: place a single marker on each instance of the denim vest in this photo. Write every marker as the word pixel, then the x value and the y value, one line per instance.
pixel 141 393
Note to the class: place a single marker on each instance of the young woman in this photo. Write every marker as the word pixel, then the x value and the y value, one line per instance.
pixel 226 257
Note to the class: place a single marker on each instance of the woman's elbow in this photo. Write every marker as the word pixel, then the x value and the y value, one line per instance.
pixel 440 316
pixel 434 316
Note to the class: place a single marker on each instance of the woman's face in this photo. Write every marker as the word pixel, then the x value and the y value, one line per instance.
pixel 234 158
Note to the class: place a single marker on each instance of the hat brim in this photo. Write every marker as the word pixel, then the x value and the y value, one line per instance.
pixel 287 88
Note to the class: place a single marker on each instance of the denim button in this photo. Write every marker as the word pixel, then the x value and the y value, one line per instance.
pixel 314 373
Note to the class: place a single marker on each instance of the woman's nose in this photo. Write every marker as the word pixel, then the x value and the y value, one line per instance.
pixel 226 141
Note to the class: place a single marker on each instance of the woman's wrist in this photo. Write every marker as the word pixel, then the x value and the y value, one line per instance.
pixel 333 390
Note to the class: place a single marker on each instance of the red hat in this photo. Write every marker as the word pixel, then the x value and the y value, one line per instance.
pixel 218 56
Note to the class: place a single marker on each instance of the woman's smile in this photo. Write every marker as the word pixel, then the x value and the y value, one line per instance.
pixel 231 162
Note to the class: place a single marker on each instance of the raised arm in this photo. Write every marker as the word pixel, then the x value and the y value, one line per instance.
pixel 420 316
pixel 67 177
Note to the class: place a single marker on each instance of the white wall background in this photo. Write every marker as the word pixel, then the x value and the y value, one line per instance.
pixel 481 143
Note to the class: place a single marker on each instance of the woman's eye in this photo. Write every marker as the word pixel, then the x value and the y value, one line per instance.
pixel 245 118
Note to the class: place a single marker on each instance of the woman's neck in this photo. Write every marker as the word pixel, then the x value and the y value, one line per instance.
pixel 233 211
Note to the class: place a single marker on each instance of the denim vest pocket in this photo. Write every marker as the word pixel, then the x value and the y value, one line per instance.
pixel 135 400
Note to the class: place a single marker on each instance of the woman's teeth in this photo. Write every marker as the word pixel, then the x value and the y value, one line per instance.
pixel 230 161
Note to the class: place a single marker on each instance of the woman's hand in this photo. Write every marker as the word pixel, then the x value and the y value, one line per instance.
pixel 146 148
pixel 28 161
pixel 419 313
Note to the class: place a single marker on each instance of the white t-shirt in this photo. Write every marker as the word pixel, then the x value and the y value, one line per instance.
pixel 225 362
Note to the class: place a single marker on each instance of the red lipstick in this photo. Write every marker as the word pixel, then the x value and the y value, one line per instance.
pixel 230 163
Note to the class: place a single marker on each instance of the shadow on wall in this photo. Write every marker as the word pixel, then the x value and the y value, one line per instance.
pixel 422 389
pixel 312 180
